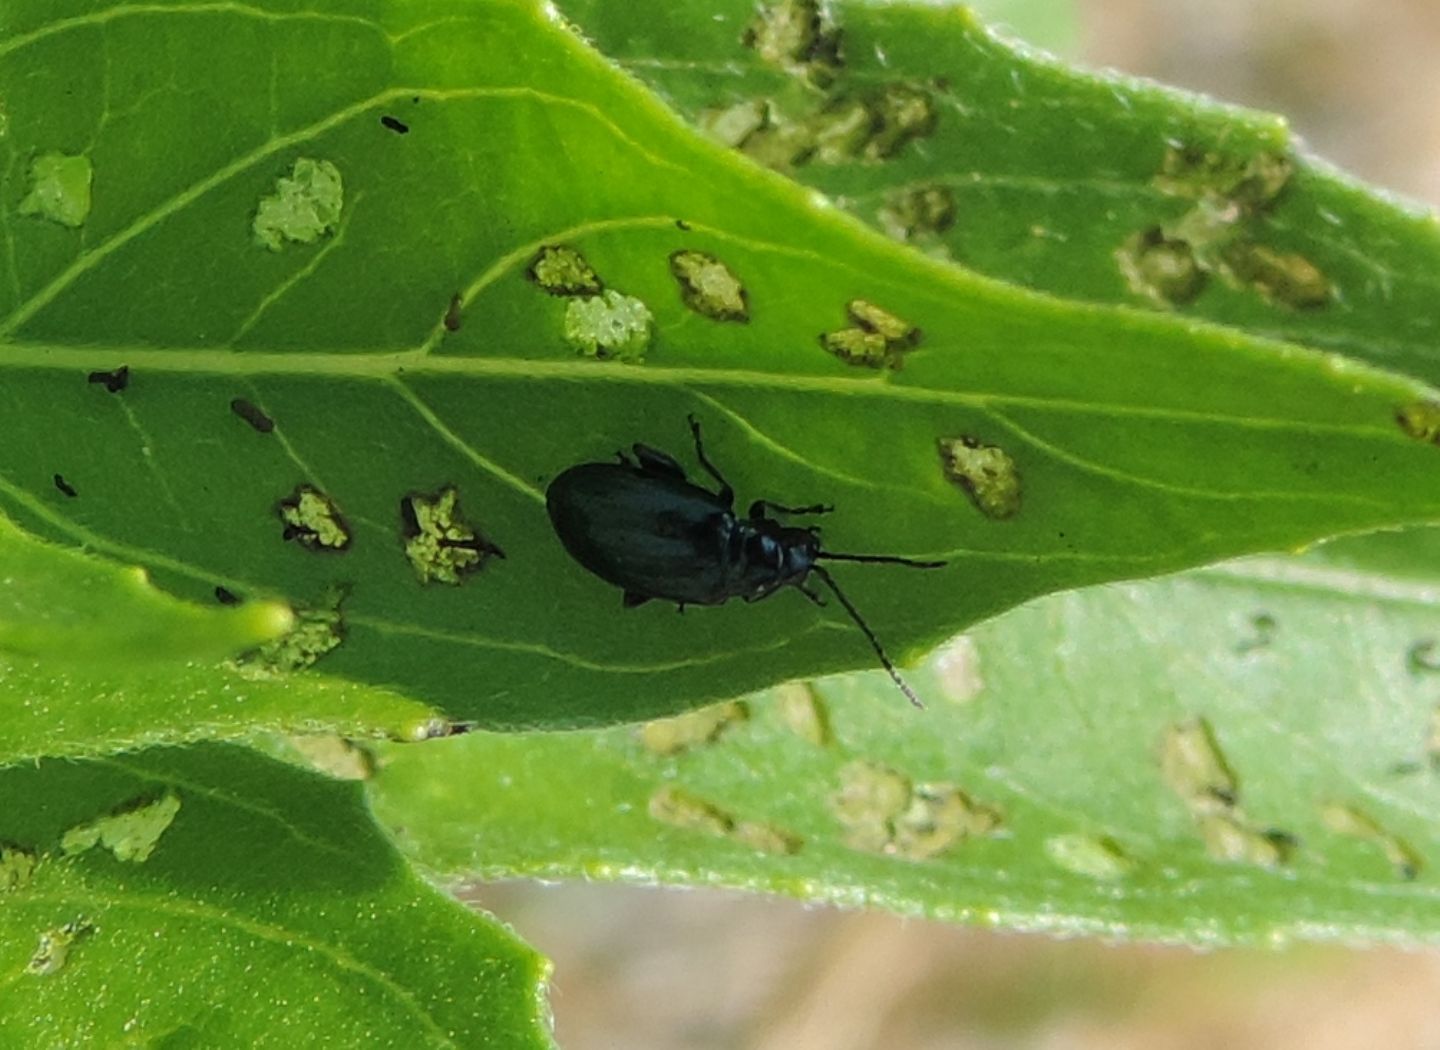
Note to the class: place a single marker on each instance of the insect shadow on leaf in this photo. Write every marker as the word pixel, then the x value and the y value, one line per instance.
pixel 642 525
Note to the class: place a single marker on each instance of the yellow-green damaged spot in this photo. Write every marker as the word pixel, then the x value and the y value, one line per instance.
pixel 59 188
pixel 312 520
pixel 670 736
pixel 1161 268
pixel 17 866
pixel 1253 182
pixel 938 817
pixel 918 211
pixel 709 287
pixel 868 801
pixel 900 114
pixel 304 206
pixel 797 36
pixel 957 670
pixel 561 270
pixel 1194 768
pixel 872 126
pixel 609 326
pixel 1347 820
pixel 766 838
pixel 876 339
pixel 53 951
pixel 734 125
pixel 131 832
pixel 882 812
pixel 803 713
pixel 680 809
pixel 317 631
pixel 441 545
pixel 987 473
pixel 1285 278
pixel 335 756
pixel 1420 420
pixel 1091 856
pixel 1230 839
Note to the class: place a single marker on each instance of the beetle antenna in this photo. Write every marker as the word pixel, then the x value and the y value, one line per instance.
pixel 874 642
pixel 884 559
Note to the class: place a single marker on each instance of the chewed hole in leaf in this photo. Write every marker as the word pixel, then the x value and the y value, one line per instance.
pixel 609 326
pixel 1194 769
pixel 1420 420
pixel 561 270
pixel 17 867
pixel 131 833
pixel 1092 856
pixel 939 817
pixel 59 189
pixel 709 287
pixel 877 338
pixel 918 211
pixel 803 713
pixel 670 736
pixel 797 36
pixel 1349 821
pixel 869 799
pixel 441 545
pixel 1161 268
pixel 987 473
pixel 681 809
pixel 1286 278
pixel 900 113
pixel 1230 839
pixel 766 838
pixel 957 670
pixel 1254 182
pixel 304 206
pixel 734 125
pixel 311 519
pixel 53 951
pixel 317 630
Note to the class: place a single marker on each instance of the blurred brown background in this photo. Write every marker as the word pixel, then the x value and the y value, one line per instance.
pixel 646 969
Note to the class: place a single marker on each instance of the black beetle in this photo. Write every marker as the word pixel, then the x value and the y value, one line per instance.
pixel 642 525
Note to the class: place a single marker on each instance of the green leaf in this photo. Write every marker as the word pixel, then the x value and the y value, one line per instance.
pixel 211 897
pixel 1090 802
pixel 93 658
pixel 1047 173
pixel 65 607
pixel 306 344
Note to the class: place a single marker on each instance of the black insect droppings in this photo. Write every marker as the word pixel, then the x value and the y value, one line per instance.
pixel 453 317
pixel 397 126
pixel 226 597
pixel 115 381
pixel 252 415
pixel 681 224
pixel 65 487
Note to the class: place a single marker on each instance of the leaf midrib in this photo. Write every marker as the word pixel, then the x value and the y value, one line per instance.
pixel 386 364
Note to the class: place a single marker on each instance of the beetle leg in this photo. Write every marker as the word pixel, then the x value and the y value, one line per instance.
pixel 760 506
pixel 726 494
pixel 658 464
pixel 814 596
